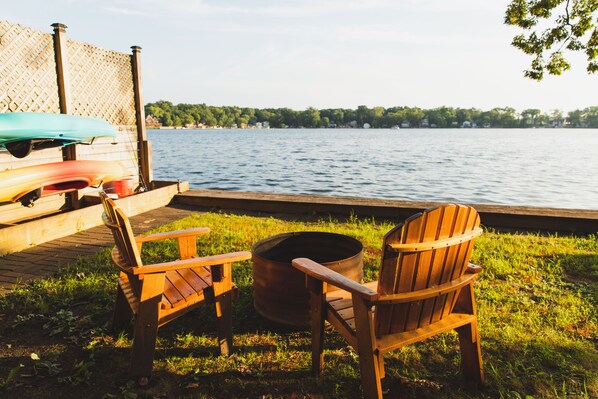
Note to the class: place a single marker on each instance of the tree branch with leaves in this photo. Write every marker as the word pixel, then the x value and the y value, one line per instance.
pixel 550 29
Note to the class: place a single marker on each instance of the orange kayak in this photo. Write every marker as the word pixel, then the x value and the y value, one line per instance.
pixel 32 182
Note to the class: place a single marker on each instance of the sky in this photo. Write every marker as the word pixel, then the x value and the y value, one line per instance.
pixel 318 53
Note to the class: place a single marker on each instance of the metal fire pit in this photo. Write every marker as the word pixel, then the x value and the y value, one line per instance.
pixel 279 292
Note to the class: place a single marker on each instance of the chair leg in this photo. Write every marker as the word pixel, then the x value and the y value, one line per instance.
pixel 469 339
pixel 318 316
pixel 144 341
pixel 381 369
pixel 122 311
pixel 369 358
pixel 224 322
pixel 146 327
pixel 471 354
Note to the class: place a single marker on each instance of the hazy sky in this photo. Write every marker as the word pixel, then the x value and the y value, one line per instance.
pixel 320 53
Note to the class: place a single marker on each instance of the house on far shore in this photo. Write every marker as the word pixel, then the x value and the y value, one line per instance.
pixel 262 125
pixel 151 122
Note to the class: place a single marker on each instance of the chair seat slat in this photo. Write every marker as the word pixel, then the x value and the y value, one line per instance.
pixel 198 276
pixel 198 280
pixel 183 286
pixel 171 293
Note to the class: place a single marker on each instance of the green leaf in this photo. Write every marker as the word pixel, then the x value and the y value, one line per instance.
pixel 592 67
pixel 557 64
pixel 517 14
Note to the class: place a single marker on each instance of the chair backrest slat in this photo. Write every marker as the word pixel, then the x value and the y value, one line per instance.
pixel 127 255
pixel 402 272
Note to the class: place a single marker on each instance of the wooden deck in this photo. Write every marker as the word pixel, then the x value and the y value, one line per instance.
pixel 46 259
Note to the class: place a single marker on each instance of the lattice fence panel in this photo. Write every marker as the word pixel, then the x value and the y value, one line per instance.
pixel 27 70
pixel 101 83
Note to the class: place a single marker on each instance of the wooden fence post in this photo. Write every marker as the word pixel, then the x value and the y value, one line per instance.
pixel 69 152
pixel 145 149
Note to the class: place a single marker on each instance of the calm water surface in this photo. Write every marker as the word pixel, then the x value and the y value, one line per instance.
pixel 536 167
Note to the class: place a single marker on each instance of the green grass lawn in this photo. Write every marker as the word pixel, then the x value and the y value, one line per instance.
pixel 536 298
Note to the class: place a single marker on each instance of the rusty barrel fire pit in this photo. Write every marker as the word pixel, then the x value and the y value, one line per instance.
pixel 279 292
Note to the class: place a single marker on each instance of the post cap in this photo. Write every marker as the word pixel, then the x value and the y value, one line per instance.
pixel 59 26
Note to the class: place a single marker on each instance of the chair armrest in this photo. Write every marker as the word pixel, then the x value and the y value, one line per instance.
pixel 212 260
pixel 172 234
pixel 471 268
pixel 426 293
pixel 322 273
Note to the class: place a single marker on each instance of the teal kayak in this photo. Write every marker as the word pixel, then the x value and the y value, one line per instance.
pixel 22 132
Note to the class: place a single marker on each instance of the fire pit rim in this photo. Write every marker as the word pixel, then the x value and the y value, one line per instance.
pixel 282 236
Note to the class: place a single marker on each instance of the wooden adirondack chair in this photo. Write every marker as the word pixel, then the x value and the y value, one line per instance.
pixel 425 288
pixel 159 293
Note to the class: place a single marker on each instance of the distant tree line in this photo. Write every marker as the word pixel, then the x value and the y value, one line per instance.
pixel 196 115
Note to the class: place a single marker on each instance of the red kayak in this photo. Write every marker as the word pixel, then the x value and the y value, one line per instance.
pixel 32 182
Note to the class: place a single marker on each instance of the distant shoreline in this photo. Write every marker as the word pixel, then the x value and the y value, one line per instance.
pixel 167 114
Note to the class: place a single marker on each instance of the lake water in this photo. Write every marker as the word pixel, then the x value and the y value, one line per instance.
pixel 535 167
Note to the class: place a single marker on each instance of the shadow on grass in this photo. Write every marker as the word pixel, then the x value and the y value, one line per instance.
pixel 582 272
pixel 80 356
pixel 68 351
